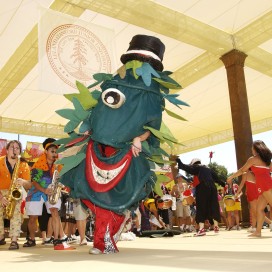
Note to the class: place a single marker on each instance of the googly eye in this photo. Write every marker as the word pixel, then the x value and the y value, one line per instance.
pixel 113 98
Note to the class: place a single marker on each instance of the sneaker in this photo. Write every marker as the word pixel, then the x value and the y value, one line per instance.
pixel 95 251
pixel 187 229
pixel 251 229
pixel 89 238
pixel 192 228
pixel 83 242
pixel 234 228
pixel 70 240
pixel 201 232
pixel 48 241
pixel 216 229
pixel 61 245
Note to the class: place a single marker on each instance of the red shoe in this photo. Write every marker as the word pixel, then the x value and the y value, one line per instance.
pixel 201 232
pixel 216 229
pixel 63 246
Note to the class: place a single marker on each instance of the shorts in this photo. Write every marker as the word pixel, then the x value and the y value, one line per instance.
pixel 235 207
pixel 49 206
pixel 79 212
pixel 36 207
pixel 181 210
pixel 251 191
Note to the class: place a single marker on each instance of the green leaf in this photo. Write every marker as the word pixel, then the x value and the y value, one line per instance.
pixel 172 99
pixel 134 64
pixel 162 178
pixel 172 114
pixel 157 189
pixel 84 96
pixel 160 135
pixel 80 113
pixel 68 114
pixel 146 148
pixel 168 85
pixel 146 71
pixel 159 160
pixel 100 77
pixel 71 162
pixel 71 126
pixel 159 151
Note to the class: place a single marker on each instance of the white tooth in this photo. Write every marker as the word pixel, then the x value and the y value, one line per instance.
pixel 102 176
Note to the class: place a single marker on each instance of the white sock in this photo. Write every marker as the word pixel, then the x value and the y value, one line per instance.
pixel 215 223
pixel 201 226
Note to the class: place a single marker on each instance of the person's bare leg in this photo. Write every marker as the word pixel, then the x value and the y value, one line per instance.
pixel 55 222
pixel 32 226
pixel 253 210
pixel 81 227
pixel 261 204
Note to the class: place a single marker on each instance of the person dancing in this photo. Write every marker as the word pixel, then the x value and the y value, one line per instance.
pixel 207 206
pixel 248 180
pixel 260 165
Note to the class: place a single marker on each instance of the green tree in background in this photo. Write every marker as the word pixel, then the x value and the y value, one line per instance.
pixel 220 170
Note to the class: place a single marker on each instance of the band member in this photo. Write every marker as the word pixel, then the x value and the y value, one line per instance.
pixel 41 177
pixel 10 180
pixel 207 206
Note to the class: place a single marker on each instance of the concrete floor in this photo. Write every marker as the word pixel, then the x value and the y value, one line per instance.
pixel 226 251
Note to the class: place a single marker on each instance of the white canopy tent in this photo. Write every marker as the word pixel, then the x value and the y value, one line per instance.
pixel 196 34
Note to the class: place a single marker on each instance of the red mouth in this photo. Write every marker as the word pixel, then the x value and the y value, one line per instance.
pixel 102 176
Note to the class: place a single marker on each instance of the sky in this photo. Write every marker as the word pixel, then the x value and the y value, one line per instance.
pixel 224 154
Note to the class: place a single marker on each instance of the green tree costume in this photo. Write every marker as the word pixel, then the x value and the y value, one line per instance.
pixel 102 171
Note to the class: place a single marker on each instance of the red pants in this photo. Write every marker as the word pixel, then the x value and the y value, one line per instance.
pixel 106 229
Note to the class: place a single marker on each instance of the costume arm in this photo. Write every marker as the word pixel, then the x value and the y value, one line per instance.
pixel 137 143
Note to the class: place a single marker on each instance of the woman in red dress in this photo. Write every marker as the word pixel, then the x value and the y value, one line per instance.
pixel 260 165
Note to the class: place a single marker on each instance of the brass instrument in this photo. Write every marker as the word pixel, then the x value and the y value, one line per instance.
pixel 14 194
pixel 56 187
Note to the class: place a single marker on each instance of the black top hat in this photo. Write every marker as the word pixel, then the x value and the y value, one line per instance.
pixel 147 49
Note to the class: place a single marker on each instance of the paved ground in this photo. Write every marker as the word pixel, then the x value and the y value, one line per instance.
pixel 226 251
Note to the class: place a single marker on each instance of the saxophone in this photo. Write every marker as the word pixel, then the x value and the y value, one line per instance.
pixel 56 187
pixel 14 194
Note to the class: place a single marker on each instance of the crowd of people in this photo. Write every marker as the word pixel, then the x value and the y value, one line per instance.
pixel 191 206
pixel 54 220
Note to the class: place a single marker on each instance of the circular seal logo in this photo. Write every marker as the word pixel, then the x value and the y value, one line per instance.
pixel 75 54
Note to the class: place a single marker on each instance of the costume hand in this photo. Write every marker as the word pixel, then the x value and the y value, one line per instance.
pixel 136 146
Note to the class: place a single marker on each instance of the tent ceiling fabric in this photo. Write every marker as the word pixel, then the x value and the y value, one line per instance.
pixel 196 34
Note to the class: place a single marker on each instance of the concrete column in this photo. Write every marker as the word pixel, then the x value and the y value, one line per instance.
pixel 234 64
